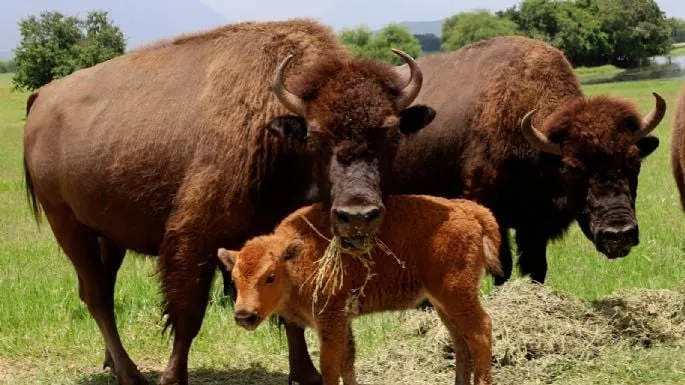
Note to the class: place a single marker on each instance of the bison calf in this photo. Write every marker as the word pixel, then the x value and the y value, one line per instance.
pixel 437 249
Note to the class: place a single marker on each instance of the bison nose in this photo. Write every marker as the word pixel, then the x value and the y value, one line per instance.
pixel 246 318
pixel 358 218
pixel 616 242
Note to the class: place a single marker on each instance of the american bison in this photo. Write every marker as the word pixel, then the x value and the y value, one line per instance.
pixel 515 133
pixel 678 147
pixel 452 244
pixel 207 140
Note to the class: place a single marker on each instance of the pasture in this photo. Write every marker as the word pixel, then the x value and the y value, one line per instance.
pixel 48 337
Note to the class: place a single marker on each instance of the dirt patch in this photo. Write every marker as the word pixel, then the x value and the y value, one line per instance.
pixel 538 334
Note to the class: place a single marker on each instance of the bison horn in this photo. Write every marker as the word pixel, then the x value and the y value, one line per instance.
pixel 291 101
pixel 652 119
pixel 536 138
pixel 411 90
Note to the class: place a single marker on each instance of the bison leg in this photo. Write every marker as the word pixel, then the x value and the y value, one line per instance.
pixel 96 287
pixel 348 373
pixel 533 258
pixel 504 256
pixel 302 368
pixel 111 257
pixel 187 266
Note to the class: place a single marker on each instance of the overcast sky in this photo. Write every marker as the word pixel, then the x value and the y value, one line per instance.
pixel 373 13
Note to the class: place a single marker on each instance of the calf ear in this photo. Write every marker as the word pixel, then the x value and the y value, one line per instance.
pixel 227 258
pixel 647 145
pixel 293 250
pixel 288 127
pixel 415 118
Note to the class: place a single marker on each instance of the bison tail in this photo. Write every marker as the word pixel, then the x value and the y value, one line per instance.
pixel 491 240
pixel 31 195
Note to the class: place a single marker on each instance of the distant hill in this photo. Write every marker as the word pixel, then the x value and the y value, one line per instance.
pixel 424 27
pixel 141 21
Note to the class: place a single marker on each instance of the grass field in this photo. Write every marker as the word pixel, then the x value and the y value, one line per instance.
pixel 678 49
pixel 48 337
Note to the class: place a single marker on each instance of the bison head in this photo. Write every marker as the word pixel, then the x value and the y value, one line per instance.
pixel 261 277
pixel 352 114
pixel 598 145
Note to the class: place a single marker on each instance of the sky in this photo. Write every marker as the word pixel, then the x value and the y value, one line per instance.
pixel 372 13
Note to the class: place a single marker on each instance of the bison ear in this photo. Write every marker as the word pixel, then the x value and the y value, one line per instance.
pixel 647 145
pixel 227 258
pixel 289 127
pixel 414 118
pixel 293 250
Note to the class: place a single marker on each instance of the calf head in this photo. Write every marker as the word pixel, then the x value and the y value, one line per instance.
pixel 600 143
pixel 261 277
pixel 352 114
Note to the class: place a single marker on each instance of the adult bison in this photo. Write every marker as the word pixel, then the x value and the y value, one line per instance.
pixel 515 132
pixel 678 147
pixel 166 151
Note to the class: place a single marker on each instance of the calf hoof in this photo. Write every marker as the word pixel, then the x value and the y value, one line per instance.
pixel 167 379
pixel 313 379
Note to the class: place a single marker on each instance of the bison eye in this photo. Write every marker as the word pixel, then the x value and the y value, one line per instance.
pixel 270 278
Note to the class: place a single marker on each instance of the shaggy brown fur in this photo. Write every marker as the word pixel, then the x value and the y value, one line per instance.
pixel 475 148
pixel 678 147
pixel 165 151
pixel 452 244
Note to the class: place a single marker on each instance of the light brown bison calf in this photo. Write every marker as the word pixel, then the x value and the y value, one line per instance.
pixel 439 250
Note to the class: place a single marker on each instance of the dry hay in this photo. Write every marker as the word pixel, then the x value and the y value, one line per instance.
pixel 538 334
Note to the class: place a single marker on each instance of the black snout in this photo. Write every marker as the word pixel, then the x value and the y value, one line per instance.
pixel 355 223
pixel 616 242
pixel 246 318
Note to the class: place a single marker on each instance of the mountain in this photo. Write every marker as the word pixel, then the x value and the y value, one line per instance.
pixel 140 21
pixel 424 27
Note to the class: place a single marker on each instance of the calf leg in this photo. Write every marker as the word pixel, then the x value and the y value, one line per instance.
pixel 462 357
pixel 96 287
pixel 348 373
pixel 504 257
pixel 333 343
pixel 302 368
pixel 533 258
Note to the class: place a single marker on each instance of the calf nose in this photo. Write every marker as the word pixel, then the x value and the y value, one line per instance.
pixel 246 318
pixel 358 218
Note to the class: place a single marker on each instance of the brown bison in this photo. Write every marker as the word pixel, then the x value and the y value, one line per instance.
pixel 515 133
pixel 177 148
pixel 678 147
pixel 452 244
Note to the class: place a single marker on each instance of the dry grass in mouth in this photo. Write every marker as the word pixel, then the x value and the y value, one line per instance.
pixel 328 278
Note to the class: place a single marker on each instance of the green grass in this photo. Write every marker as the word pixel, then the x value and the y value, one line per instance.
pixel 47 335
pixel 678 50
pixel 586 74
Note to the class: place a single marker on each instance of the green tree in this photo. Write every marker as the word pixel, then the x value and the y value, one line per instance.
pixel 363 43
pixel 7 66
pixel 637 30
pixel 54 45
pixel 429 42
pixel 469 27
pixel 677 29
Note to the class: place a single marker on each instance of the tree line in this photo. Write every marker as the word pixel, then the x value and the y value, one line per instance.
pixel 625 33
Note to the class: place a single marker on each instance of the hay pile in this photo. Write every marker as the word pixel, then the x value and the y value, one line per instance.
pixel 538 334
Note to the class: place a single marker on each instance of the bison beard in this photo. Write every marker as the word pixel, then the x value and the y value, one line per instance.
pixel 179 164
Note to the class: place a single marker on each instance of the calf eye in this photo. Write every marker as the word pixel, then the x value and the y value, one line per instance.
pixel 270 278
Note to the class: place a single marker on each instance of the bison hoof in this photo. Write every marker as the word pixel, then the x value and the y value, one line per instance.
pixel 109 362
pixel 134 378
pixel 313 379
